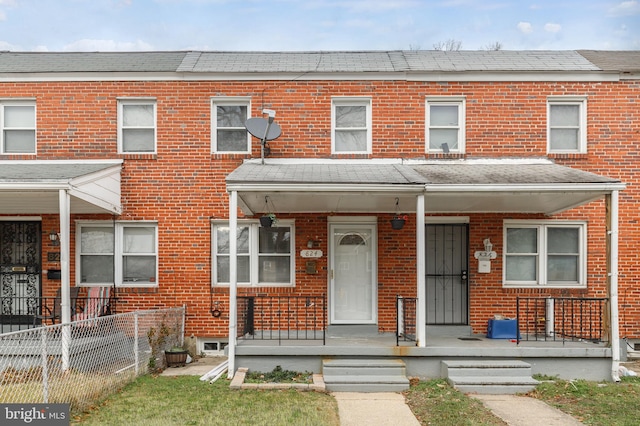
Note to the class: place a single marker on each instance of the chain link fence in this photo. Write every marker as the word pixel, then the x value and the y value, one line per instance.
pixel 84 361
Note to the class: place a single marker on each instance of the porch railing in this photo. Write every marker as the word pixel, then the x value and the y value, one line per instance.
pixel 282 318
pixel 561 318
pixel 23 313
pixel 405 319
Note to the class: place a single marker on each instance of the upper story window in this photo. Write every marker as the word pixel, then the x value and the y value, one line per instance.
pixel 265 255
pixel 567 124
pixel 228 133
pixel 18 120
pixel 445 124
pixel 544 253
pixel 136 126
pixel 351 126
pixel 125 253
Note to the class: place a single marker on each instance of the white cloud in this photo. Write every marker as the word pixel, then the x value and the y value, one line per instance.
pixel 89 45
pixel 525 27
pixel 625 8
pixel 3 16
pixel 552 28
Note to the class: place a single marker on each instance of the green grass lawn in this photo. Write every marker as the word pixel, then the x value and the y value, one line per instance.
pixel 185 400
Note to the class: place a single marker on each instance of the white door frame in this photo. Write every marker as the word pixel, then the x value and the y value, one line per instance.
pixel 370 224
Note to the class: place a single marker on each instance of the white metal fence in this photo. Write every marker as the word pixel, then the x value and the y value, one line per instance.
pixel 82 362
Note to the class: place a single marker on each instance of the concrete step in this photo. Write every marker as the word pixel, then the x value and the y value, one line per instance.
pixel 490 376
pixel 364 375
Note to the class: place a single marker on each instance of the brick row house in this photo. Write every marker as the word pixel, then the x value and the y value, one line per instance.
pixel 514 173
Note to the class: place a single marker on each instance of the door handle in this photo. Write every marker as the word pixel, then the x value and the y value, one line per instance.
pixel 463 275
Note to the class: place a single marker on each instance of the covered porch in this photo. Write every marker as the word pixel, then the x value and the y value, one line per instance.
pixel 443 188
pixel 37 199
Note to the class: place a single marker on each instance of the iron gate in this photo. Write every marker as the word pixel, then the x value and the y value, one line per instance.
pixel 447 267
pixel 20 273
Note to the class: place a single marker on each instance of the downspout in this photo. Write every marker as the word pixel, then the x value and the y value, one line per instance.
pixel 613 292
pixel 421 308
pixel 233 281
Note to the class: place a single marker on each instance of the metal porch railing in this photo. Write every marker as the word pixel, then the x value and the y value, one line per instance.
pixel 282 318
pixel 405 319
pixel 23 313
pixel 561 318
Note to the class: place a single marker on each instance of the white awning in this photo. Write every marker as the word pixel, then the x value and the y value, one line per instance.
pixel 32 187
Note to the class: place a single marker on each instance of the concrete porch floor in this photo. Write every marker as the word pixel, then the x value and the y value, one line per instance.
pixel 564 359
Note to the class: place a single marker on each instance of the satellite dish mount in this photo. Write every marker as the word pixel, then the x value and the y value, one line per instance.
pixel 264 129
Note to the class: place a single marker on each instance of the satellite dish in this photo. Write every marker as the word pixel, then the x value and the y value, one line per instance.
pixel 264 129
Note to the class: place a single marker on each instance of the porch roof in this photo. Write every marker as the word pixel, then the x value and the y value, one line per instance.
pixel 32 186
pixel 450 186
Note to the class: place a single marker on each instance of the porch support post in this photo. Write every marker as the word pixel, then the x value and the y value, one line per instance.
pixel 421 308
pixel 64 201
pixel 612 226
pixel 233 281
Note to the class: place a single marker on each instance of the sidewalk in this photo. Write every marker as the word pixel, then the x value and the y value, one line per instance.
pixel 525 411
pixel 376 408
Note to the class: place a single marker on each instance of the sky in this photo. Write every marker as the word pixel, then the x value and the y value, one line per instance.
pixel 303 25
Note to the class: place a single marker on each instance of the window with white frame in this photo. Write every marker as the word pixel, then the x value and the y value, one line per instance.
pixel 136 126
pixel 566 124
pixel 264 255
pixel 445 124
pixel 18 120
pixel 351 126
pixel 125 253
pixel 546 253
pixel 228 133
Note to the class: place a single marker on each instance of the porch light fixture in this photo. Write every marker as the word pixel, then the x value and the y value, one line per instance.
pixel 53 236
pixel 398 220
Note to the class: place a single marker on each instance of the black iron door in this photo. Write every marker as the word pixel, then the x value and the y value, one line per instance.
pixel 20 271
pixel 447 274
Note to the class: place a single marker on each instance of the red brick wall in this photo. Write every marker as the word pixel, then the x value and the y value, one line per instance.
pixel 182 186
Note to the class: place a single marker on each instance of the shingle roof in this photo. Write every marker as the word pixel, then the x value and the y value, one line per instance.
pixel 12 171
pixel 445 173
pixel 505 174
pixel 622 60
pixel 321 62
pixel 325 174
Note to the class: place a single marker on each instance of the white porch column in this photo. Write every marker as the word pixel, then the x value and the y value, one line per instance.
pixel 613 291
pixel 233 281
pixel 64 201
pixel 421 303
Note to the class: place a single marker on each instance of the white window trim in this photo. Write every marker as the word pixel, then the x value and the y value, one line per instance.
pixel 228 101
pixel 581 102
pixel 254 227
pixel 352 101
pixel 542 226
pixel 118 252
pixel 18 102
pixel 460 102
pixel 137 101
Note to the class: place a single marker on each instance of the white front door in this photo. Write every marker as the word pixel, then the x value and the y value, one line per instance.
pixel 353 276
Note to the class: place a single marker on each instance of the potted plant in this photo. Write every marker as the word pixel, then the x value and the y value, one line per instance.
pixel 176 356
pixel 268 220
pixel 398 221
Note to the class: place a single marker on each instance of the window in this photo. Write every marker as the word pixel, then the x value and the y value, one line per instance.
pixel 265 255
pixel 137 126
pixel 446 119
pixel 566 129
pixel 228 132
pixel 351 124
pixel 18 127
pixel 545 253
pixel 127 249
